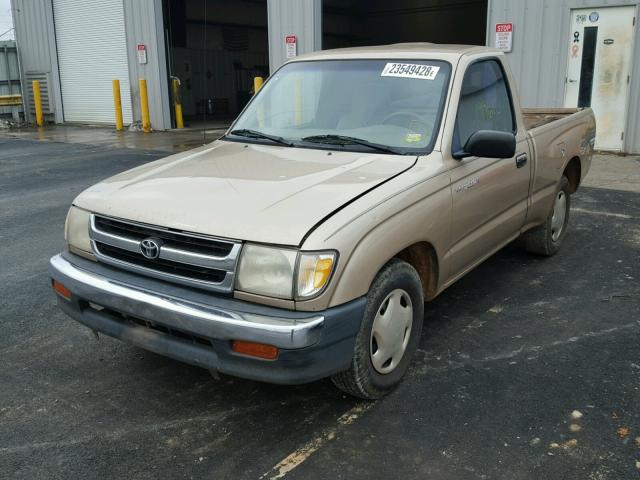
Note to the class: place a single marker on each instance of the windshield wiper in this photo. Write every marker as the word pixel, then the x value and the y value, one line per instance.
pixel 245 132
pixel 346 140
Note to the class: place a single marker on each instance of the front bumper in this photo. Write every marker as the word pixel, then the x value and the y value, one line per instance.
pixel 197 327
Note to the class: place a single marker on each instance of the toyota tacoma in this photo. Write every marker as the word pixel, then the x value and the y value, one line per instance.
pixel 356 185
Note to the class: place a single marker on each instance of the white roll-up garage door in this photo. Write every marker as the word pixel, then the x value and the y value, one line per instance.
pixel 92 51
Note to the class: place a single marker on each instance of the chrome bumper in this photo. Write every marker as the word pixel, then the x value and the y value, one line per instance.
pixel 197 318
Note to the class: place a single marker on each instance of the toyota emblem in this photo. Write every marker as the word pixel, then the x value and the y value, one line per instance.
pixel 150 248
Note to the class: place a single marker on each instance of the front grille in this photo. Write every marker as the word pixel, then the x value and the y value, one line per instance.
pixel 161 265
pixel 205 246
pixel 185 258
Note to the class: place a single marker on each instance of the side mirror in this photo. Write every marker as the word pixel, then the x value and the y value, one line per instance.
pixel 489 144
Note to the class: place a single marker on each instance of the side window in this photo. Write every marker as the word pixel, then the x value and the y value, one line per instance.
pixel 484 102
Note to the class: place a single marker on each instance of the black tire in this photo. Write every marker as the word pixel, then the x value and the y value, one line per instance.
pixel 540 239
pixel 361 379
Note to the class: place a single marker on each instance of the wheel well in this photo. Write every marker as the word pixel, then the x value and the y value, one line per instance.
pixel 573 172
pixel 422 256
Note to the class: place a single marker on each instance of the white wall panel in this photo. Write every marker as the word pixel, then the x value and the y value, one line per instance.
pixel 92 51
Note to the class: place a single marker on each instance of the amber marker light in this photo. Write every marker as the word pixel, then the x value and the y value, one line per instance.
pixel 322 272
pixel 314 272
pixel 259 350
pixel 61 290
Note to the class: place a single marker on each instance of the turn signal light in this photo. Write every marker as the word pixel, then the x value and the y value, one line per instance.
pixel 61 290
pixel 260 350
pixel 322 273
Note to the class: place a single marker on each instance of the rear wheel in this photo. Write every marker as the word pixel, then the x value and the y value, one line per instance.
pixel 547 239
pixel 389 333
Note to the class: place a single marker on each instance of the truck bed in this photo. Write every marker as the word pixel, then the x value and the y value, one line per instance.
pixel 536 117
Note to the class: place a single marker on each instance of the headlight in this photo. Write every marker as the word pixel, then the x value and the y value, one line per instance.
pixel 267 271
pixel 284 273
pixel 76 229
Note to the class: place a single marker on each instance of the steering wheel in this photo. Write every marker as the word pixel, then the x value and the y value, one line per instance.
pixel 410 115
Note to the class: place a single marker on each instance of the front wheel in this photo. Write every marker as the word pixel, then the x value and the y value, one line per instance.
pixel 389 333
pixel 547 238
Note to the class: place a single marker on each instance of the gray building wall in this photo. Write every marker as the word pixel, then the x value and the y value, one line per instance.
pixel 302 18
pixel 541 29
pixel 35 36
pixel 538 59
pixel 9 73
pixel 144 24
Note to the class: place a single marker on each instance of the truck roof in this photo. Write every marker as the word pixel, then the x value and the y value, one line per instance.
pixel 415 50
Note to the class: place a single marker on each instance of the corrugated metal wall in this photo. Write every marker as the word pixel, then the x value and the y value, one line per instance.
pixel 35 37
pixel 302 18
pixel 9 72
pixel 539 56
pixel 144 24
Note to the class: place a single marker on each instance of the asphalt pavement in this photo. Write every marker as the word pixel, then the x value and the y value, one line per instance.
pixel 528 367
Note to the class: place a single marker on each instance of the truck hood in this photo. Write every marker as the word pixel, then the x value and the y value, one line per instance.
pixel 253 192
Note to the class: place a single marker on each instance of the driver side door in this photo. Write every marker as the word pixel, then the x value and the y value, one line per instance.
pixel 489 195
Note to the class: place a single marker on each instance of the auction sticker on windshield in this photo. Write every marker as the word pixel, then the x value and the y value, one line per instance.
pixel 410 70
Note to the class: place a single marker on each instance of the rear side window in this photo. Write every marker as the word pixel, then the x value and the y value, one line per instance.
pixel 485 102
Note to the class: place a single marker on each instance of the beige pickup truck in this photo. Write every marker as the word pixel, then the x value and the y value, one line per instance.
pixel 357 185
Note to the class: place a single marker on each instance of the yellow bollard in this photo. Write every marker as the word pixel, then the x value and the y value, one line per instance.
pixel 144 106
pixel 257 84
pixel 117 104
pixel 177 102
pixel 37 100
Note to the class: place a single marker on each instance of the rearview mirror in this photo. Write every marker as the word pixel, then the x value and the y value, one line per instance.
pixel 489 144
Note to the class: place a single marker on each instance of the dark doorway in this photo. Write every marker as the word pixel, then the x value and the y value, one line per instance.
pixel 348 23
pixel 215 48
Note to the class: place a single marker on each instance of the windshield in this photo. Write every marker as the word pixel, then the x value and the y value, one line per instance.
pixel 393 106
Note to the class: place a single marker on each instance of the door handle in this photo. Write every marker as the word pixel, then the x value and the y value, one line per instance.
pixel 521 160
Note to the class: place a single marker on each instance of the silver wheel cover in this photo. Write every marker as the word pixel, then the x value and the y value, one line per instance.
pixel 559 215
pixel 391 331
